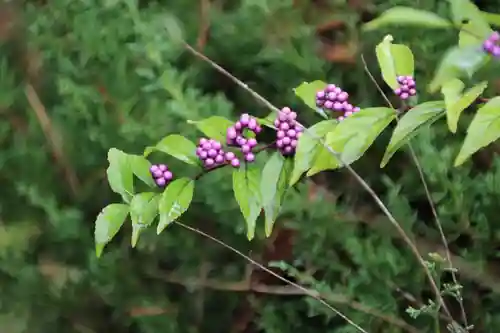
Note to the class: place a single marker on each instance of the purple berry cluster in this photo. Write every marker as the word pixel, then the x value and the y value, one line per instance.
pixel 235 136
pixel 492 45
pixel 161 175
pixel 407 87
pixel 288 131
pixel 210 152
pixel 333 98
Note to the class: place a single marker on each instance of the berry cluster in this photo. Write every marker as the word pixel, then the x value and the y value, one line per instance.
pixel 161 175
pixel 210 152
pixel 407 87
pixel 492 44
pixel 333 98
pixel 288 131
pixel 235 136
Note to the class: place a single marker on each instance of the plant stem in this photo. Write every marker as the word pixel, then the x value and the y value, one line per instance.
pixel 312 293
pixel 358 178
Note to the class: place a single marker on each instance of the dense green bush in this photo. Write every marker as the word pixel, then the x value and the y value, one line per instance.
pixel 108 76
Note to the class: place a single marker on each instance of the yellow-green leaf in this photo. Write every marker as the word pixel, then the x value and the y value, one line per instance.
pixel 455 104
pixel 407 16
pixel 308 146
pixel 108 223
pixel 214 127
pixel 273 185
pixel 176 146
pixel 175 201
pixel 306 91
pixel 120 175
pixel 394 60
pixel 483 130
pixel 246 188
pixel 143 211
pixel 458 62
pixel 352 137
pixel 408 126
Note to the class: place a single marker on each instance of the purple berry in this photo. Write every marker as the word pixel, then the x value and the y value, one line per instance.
pixel 235 163
pixel 167 175
pixel 153 168
pixel 209 162
pixel 249 157
pixel 252 142
pixel 219 159
pixel 162 167
pixel 161 182
pixel 230 156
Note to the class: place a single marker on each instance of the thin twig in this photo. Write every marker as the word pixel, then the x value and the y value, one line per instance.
pixel 50 135
pixel 312 293
pixel 244 286
pixel 358 178
pixel 427 194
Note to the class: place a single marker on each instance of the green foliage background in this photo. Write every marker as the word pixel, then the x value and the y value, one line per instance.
pixel 109 76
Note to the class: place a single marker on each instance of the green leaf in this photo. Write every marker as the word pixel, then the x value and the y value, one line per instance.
pixel 179 147
pixel 108 223
pixel 246 182
pixel 268 120
pixel 472 34
pixel 492 18
pixel 120 175
pixel 140 168
pixel 408 126
pixel 306 91
pixel 407 16
pixel 213 127
pixel 175 201
pixel 307 148
pixel 394 60
pixel 456 102
pixel 273 185
pixel 458 62
pixel 466 11
pixel 483 130
pixel 352 137
pixel 143 211
pixel 173 27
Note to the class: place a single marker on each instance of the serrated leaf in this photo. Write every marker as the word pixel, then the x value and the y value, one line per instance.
pixel 457 63
pixel 175 201
pixel 307 148
pixel 246 182
pixel 352 137
pixel 466 11
pixel 408 126
pixel 176 146
pixel 108 223
pixel 306 91
pixel 407 16
pixel 143 211
pixel 483 130
pixel 119 174
pixel 273 185
pixel 140 168
pixel 394 60
pixel 456 104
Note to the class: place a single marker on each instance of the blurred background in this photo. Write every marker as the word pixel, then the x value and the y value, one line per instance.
pixel 78 77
